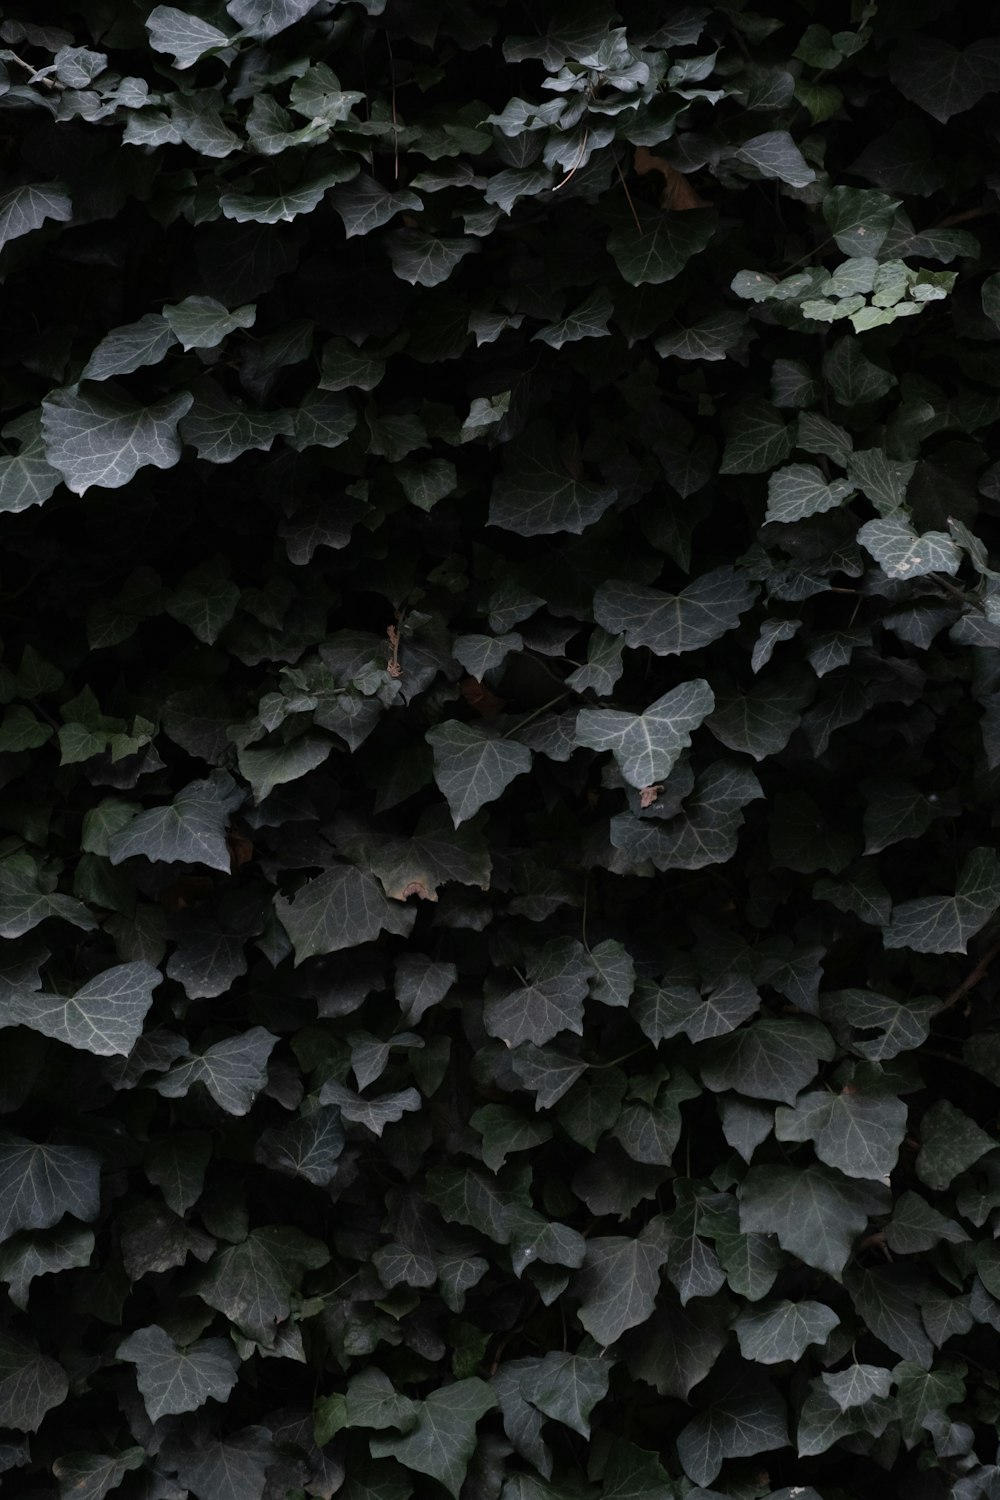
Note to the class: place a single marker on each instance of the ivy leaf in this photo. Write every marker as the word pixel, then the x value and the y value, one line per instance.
pixel 233 1071
pixel 172 1379
pixel 760 722
pixel 365 204
pixel 265 18
pixel 90 1476
pixel 104 1017
pixel 339 909
pixel 41 1183
pixel 944 924
pixel 26 478
pixel 775 1331
pixel 251 1283
pixel 185 37
pixel 189 830
pixel 857 1384
pixel 662 247
pixel 473 767
pixel 425 260
pixel 587 321
pixel 231 1468
pixel 31 1383
pixel 815 1212
pixel 902 553
pixel 220 430
pixel 101 437
pixel 758 439
pixel 859 1136
pixel 647 745
pixel 775 154
pixel 538 493
pixel 567 1387
pixel 618 1283
pixel 942 79
pixel 25 208
pixel 129 348
pixel 669 624
pixel 444 1439
pixel 769 1059
pixel 308 1147
pixel 29 1255
pixel 203 322
pixel 746 1416
pixel 801 490
pixel 551 1001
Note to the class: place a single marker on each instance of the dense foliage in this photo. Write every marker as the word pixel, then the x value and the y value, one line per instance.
pixel 499 749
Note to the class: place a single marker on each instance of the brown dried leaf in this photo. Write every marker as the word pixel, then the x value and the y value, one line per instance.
pixel 481 699
pixel 677 191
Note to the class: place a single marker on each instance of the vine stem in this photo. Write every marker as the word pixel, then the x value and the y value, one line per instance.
pixel 974 976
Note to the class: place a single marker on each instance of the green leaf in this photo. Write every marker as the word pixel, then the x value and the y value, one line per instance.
pixel 251 1283
pixel 173 1379
pixel 282 204
pixel 189 830
pixel 24 903
pixel 775 1331
pixel 854 379
pixel 203 322
pixel 859 1136
pixel 769 1059
pixel 800 490
pixel 859 219
pixel 220 430
pixel 472 767
pixel 902 553
pixel 31 1383
pixel 41 1183
pixel 757 439
pixel 815 1212
pixel 266 18
pixel 276 765
pixel 589 320
pixel 857 1384
pixel 336 910
pixel 233 1071
pixel 618 1284
pixel 26 1256
pixel 549 1003
pixel 129 348
pixel 308 1146
pixel 567 1387
pixel 942 79
pixel 185 37
pixel 424 260
pixel 775 155
pixel 950 1143
pixel 104 1017
pixel 662 247
pixel 101 437
pixel 671 623
pixel 646 745
pixel 539 493
pixel 710 338
pixel 26 477
pixel 944 924
pixel 444 1439
pixel 232 1468
pixel 760 722
pixel 29 206
pixel 365 204
pixel 745 1417
pixel 89 1476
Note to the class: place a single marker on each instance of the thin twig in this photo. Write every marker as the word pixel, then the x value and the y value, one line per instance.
pixel 579 161
pixel 49 83
pixel 973 978
pixel 628 195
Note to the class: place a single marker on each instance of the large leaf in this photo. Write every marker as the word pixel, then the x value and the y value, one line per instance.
pixel 41 1183
pixel 815 1212
pixel 190 830
pixel 540 490
pixel 647 745
pixel 745 1416
pixel 31 1383
pixel 105 1015
pixel 444 1437
pixel 339 909
pixel 25 208
pixel 671 623
pixel 944 924
pixel 659 247
pixel 550 1002
pixel 101 437
pixel 26 477
pixel 233 1071
pixel 472 766
pixel 618 1284
pixel 173 1379
pixel 859 1136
